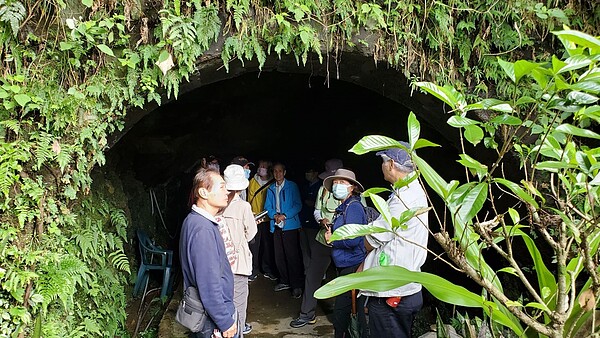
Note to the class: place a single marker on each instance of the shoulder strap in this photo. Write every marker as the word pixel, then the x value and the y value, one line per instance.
pixel 264 186
pixel 348 205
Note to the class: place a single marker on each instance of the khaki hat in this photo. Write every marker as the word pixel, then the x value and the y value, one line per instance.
pixel 345 174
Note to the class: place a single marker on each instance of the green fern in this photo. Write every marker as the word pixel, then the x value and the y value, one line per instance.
pixel 120 260
pixel 13 13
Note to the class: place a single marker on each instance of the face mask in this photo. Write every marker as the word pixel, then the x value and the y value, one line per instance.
pixel 340 191
pixel 247 173
pixel 214 166
pixel 262 171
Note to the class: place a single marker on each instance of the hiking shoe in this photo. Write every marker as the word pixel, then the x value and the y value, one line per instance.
pixel 270 276
pixel 297 293
pixel 300 322
pixel 247 328
pixel 281 287
pixel 253 277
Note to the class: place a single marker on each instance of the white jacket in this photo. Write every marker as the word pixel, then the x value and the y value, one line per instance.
pixel 242 227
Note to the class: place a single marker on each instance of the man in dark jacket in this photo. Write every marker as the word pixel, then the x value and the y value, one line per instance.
pixel 203 258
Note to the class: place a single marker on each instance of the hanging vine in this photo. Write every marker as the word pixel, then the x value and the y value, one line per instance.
pixel 71 70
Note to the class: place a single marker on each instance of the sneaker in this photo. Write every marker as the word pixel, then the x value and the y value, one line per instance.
pixel 281 287
pixel 247 328
pixel 253 277
pixel 270 276
pixel 297 293
pixel 300 322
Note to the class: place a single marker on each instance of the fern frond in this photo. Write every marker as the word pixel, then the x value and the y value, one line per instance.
pixel 120 261
pixel 12 12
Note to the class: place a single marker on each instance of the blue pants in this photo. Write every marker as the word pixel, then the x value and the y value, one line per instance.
pixel 386 321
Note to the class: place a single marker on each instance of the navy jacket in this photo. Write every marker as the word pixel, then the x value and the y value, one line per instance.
pixel 349 252
pixel 205 265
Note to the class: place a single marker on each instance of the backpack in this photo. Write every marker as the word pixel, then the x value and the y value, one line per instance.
pixel 370 213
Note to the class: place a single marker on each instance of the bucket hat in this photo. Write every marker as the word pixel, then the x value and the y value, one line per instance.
pixel 345 174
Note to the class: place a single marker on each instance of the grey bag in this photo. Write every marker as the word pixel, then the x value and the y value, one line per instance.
pixel 190 312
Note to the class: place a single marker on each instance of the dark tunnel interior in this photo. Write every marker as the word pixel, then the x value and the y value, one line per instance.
pixel 297 119
pixel 294 118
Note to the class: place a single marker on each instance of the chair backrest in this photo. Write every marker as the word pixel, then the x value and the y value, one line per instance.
pixel 152 254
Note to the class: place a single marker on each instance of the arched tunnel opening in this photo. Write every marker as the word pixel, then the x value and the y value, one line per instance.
pixel 299 119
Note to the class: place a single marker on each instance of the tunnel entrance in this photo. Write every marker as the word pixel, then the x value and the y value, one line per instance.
pixel 299 119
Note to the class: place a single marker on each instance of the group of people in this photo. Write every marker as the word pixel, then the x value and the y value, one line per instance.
pixel 224 245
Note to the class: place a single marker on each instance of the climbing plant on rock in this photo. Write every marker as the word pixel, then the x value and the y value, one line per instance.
pixel 72 69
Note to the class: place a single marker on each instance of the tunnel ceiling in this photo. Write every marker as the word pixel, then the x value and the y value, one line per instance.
pixel 293 117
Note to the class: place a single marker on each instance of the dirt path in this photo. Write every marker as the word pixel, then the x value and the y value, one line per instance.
pixel 269 313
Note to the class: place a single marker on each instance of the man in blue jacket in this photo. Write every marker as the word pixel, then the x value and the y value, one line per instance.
pixel 203 258
pixel 284 203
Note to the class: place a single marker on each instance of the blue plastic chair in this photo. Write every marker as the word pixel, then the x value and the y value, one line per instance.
pixel 153 257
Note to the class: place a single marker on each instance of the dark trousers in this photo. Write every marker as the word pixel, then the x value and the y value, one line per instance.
pixel 386 321
pixel 320 258
pixel 342 309
pixel 288 257
pixel 209 328
pixel 263 258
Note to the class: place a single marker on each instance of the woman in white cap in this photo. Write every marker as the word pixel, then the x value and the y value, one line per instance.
pixel 348 254
pixel 242 227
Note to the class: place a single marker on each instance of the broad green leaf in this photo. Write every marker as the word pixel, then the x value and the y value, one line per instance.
pixel 459 121
pixel 557 64
pixel 445 94
pixel 349 231
pixel 581 39
pixel 576 62
pixel 433 179
pixel 385 278
pixel 381 206
pixel 105 49
pixel 374 143
pixel 87 3
pixel 65 45
pixel 525 100
pixel 522 68
pixel 473 134
pixel 517 190
pixel 510 270
pixel 406 215
pixel 22 99
pixel 475 166
pixel 423 143
pixel 414 129
pixel 403 182
pixel 507 120
pixel 164 55
pixel 374 191
pixel 586 86
pixel 472 203
pixel 538 306
pixel 514 215
pixel 571 129
pixel 581 98
pixel 553 166
pixel 509 69
pixel 544 276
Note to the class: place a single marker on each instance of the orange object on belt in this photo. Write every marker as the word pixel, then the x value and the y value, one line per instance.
pixel 393 301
